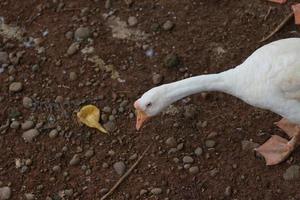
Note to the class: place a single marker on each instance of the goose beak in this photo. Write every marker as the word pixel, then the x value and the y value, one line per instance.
pixel 141 116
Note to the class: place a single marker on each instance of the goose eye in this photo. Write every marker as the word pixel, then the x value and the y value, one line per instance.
pixel 149 104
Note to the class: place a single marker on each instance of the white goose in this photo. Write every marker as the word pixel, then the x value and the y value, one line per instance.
pixel 268 79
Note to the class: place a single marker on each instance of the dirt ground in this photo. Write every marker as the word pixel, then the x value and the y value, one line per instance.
pixel 70 161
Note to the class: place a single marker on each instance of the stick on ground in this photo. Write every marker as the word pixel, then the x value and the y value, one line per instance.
pixel 284 22
pixel 125 175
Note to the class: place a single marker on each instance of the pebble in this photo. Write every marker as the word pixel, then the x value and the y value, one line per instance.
pixel 72 76
pixel 210 143
pixel 73 48
pixel 53 133
pixel 156 191
pixel 194 170
pixel 157 79
pixel 82 33
pixel 27 125
pixel 212 135
pixel 143 191
pixel 213 172
pixel 5 193
pixel 198 151
pixel 292 173
pixel 119 167
pixel 69 192
pixel 30 135
pixel 132 21
pixel 27 102
pixel 15 87
pixel 110 126
pixel 168 25
pixel 190 111
pixel 107 109
pixel 75 160
pixel 103 191
pixel 3 58
pixel 249 145
pixel 89 153
pixel 228 191
pixel 56 168
pixel 15 125
pixel 187 159
pixel 69 35
pixel 171 60
pixel 171 142
pixel 29 196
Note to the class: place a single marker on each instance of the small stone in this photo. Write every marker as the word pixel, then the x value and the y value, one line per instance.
pixel 30 135
pixel 132 21
pixel 72 76
pixel 171 142
pixel 56 168
pixel 111 152
pixel 89 153
pixel 292 173
pixel 29 196
pixel 5 193
pixel 4 59
pixel 28 162
pixel 179 146
pixel 82 33
pixel 110 126
pixel 69 35
pixel 133 156
pixel 108 4
pixel 15 87
pixel 168 25
pixel 53 133
pixel 194 170
pixel 27 125
pixel 27 102
pixel 210 143
pixel 15 125
pixel 119 167
pixel 190 111
pixel 75 160
pixel 249 145
pixel 157 79
pixel 69 192
pixel 228 191
pixel 198 151
pixel 107 109
pixel 171 60
pixel 213 172
pixel 103 191
pixel 73 48
pixel 187 159
pixel 143 191
pixel 212 135
pixel 156 191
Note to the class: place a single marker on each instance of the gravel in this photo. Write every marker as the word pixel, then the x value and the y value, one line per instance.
pixel 30 135
pixel 156 191
pixel 3 58
pixel 171 60
pixel 120 167
pixel 168 25
pixel 249 145
pixel 15 87
pixel 53 133
pixel 29 196
pixel 82 33
pixel 171 142
pixel 5 193
pixel 292 173
pixel 157 79
pixel 198 151
pixel 210 143
pixel 194 170
pixel 132 21
pixel 15 125
pixel 73 76
pixel 187 159
pixel 75 160
pixel 27 125
pixel 73 48
pixel 27 102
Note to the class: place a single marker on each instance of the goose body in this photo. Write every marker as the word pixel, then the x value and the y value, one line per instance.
pixel 268 79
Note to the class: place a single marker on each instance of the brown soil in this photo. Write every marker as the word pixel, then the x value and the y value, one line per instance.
pixel 201 27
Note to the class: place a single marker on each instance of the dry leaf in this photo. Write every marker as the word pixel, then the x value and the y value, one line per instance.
pixel 90 115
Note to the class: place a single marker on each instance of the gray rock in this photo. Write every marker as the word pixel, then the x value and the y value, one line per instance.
pixel 212 135
pixel 82 33
pixel 210 143
pixel 73 48
pixel 292 173
pixel 56 168
pixel 72 76
pixel 107 109
pixel 53 133
pixel 171 60
pixel 156 191
pixel 143 191
pixel 198 151
pixel 27 102
pixel 120 167
pixel 132 21
pixel 168 25
pixel 5 193
pixel 15 87
pixel 249 145
pixel 187 159
pixel 27 125
pixel 89 153
pixel 4 58
pixel 15 125
pixel 69 192
pixel 75 160
pixel 171 142
pixel 29 196
pixel 194 170
pixel 69 35
pixel 30 135
pixel 157 79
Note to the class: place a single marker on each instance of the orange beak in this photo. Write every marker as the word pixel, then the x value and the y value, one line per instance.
pixel 141 116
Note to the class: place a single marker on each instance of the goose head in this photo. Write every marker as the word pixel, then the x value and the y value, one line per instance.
pixel 150 104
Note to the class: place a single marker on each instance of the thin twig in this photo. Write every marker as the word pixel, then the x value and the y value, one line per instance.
pixel 268 13
pixel 125 175
pixel 284 22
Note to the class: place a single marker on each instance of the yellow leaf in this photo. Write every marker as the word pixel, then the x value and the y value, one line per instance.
pixel 90 115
